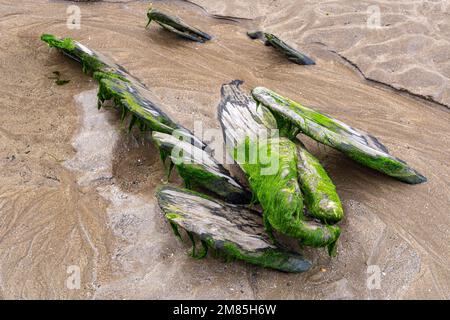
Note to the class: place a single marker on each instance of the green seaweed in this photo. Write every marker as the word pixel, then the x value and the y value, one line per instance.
pixel 65 44
pixel 90 61
pixel 111 88
pixel 174 227
pixel 270 165
pixel 271 258
pixel 318 190
pixel 280 196
pixel 354 143
pixel 114 84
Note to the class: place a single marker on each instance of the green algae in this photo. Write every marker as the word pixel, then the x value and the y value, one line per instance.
pixel 291 53
pixel 124 97
pixel 199 169
pixel 270 165
pixel 177 26
pixel 64 44
pixel 281 199
pixel 90 61
pixel 233 231
pixel 318 190
pixel 356 144
pixel 280 188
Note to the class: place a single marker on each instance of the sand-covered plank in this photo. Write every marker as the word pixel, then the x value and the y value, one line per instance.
pixel 319 192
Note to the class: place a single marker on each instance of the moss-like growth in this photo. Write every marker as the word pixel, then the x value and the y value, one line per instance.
pixel 291 53
pixel 90 61
pixel 64 44
pixel 356 144
pixel 125 97
pixel 176 25
pixel 232 230
pixel 318 190
pixel 280 196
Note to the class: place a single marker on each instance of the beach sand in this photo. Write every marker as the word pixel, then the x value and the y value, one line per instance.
pixel 77 191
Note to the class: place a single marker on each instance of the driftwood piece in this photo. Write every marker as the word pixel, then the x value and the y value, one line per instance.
pixel 291 53
pixel 233 230
pixel 176 25
pixel 319 192
pixel 354 143
pixel 270 163
pixel 198 168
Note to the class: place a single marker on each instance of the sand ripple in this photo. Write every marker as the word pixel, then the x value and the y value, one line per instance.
pixel 408 50
pixel 54 213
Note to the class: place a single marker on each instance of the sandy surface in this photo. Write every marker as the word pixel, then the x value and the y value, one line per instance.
pixel 76 190
pixel 407 47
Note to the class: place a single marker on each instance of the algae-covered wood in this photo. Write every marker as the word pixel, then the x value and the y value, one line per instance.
pixel 115 83
pixel 355 143
pixel 176 25
pixel 198 168
pixel 270 163
pixel 234 230
pixel 318 190
pixel 290 52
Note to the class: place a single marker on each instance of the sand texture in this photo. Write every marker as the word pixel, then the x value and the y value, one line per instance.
pixel 77 190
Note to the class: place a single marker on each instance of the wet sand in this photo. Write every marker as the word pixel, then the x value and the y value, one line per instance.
pixel 407 47
pixel 78 190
